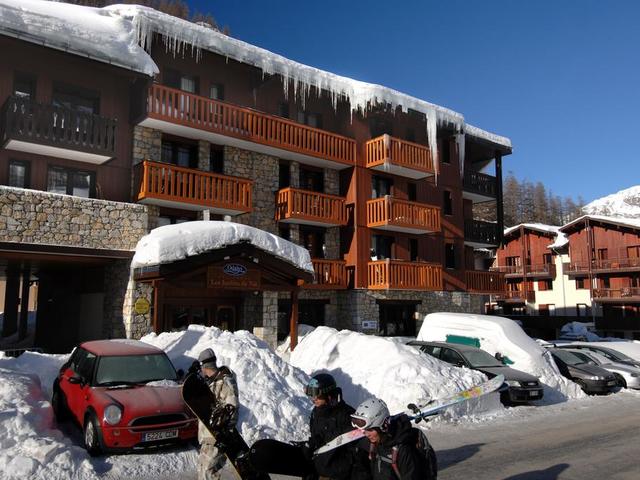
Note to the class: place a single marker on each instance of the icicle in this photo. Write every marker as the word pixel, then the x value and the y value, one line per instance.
pixel 432 137
pixel 461 143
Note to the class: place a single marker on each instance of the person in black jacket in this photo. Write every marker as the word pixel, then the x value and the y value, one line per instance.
pixel 396 450
pixel 331 417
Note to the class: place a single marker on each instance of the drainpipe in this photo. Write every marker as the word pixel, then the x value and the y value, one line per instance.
pixel 590 269
pixel 524 265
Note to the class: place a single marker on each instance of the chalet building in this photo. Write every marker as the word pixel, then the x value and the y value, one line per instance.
pixel 98 148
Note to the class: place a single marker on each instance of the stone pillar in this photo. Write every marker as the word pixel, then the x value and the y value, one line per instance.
pixel 204 155
pixel 331 181
pixel 147 144
pixel 116 280
pixel 294 173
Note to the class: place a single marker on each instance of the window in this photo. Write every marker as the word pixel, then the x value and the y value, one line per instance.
pixel 180 154
pixel 313 240
pixel 216 159
pixel 381 186
pixel 76 98
pixel 545 285
pixel 634 281
pixel 174 79
pixel 216 91
pixel 548 310
pixel 381 247
pixel 284 231
pixel 452 357
pixel 284 175
pixel 633 252
pixel 603 254
pixel 19 174
pixel 413 249
pixel 412 192
pixel 312 119
pixel 283 110
pixel 379 126
pixel 582 310
pixel 172 220
pixel 547 258
pixel 605 282
pixel 24 85
pixel 513 261
pixel 581 283
pixel 445 150
pixel 71 182
pixel 311 179
pixel 447 203
pixel 449 255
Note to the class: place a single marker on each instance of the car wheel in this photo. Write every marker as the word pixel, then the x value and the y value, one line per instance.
pixel 92 435
pixel 621 381
pixel 59 405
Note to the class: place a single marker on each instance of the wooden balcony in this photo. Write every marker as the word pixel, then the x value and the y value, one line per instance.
pixel 329 275
pixel 613 265
pixel 45 129
pixel 399 157
pixel 479 281
pixel 479 234
pixel 479 187
pixel 310 208
pixel 167 185
pixel 617 295
pixel 400 275
pixel 388 213
pixel 181 113
pixel 541 270
pixel 516 296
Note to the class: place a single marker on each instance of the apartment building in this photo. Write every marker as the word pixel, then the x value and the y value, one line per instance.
pixel 98 148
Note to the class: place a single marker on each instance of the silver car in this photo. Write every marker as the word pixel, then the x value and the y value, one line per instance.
pixel 628 376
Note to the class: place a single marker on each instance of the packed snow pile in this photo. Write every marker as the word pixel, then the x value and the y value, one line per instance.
pixel 577 331
pixel 503 335
pixel 272 399
pixel 625 203
pixel 284 348
pixel 171 243
pixel 366 365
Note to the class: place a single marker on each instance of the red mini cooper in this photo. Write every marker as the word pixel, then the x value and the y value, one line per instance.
pixel 114 390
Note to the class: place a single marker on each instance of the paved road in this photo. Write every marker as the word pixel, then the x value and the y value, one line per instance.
pixel 597 438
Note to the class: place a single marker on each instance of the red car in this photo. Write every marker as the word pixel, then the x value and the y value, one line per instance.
pixel 104 388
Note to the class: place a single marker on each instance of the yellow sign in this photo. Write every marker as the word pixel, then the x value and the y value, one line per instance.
pixel 141 306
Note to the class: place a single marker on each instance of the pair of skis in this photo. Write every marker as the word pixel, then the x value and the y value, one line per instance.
pixel 416 413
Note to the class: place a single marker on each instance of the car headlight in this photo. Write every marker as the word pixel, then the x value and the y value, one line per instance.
pixel 595 377
pixel 634 375
pixel 512 383
pixel 112 414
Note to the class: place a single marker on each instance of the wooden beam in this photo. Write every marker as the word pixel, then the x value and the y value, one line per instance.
pixel 24 303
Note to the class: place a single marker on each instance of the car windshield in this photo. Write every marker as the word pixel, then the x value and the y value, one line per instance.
pixel 613 355
pixel 480 358
pixel 568 357
pixel 585 357
pixel 134 369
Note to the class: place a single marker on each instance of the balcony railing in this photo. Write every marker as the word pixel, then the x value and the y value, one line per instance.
pixel 624 294
pixel 399 275
pixel 481 233
pixel 537 270
pixel 188 110
pixel 480 186
pixel 479 281
pixel 614 264
pixel 329 275
pixel 399 157
pixel 516 296
pixel 73 134
pixel 312 208
pixel 388 213
pixel 187 188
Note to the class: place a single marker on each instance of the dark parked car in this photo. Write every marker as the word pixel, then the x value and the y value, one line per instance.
pixel 591 378
pixel 522 386
pixel 607 352
pixel 123 396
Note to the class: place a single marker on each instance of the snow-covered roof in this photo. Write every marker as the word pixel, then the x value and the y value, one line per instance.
pixel 171 243
pixel 539 227
pixel 625 203
pixel 94 33
pixel 623 222
pixel 488 136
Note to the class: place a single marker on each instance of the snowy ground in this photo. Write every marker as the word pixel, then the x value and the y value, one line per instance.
pixel 273 404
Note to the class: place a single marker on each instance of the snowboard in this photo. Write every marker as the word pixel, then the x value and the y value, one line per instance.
pixel 417 413
pixel 280 458
pixel 200 400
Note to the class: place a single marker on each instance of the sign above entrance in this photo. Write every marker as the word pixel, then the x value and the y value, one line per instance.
pixel 141 306
pixel 233 275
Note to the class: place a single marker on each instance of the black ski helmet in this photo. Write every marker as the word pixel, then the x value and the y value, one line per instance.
pixel 321 385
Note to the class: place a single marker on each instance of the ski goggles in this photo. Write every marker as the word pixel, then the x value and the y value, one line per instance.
pixel 360 422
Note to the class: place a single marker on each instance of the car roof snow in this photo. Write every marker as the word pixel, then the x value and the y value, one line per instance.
pixel 119 346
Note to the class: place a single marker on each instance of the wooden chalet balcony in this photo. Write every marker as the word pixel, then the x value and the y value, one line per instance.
pixel 181 113
pixel 168 185
pixel 329 275
pixel 516 296
pixel 479 281
pixel 388 213
pixel 400 275
pixel 541 270
pixel 603 266
pixel 617 295
pixel 479 187
pixel 55 131
pixel 478 233
pixel 399 157
pixel 310 208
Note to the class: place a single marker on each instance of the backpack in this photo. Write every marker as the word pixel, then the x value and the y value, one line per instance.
pixel 426 452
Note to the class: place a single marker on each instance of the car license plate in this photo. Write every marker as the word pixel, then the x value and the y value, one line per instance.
pixel 533 393
pixel 162 435
pixel 611 383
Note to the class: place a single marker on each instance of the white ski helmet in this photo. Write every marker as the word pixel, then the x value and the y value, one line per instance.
pixel 372 413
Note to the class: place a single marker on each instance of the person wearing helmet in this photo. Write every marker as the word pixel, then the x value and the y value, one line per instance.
pixel 212 463
pixel 331 417
pixel 396 449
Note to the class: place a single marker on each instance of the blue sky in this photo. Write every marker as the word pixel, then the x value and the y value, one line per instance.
pixel 561 78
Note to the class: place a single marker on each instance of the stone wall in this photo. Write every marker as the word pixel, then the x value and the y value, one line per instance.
pixel 147 144
pixel 29 216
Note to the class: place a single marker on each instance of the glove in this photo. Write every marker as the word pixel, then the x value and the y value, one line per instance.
pixel 221 417
pixel 194 368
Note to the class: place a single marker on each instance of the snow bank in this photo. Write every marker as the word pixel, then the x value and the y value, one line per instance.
pixel 272 399
pixel 365 366
pixel 577 331
pixel 284 348
pixel 499 334
pixel 176 242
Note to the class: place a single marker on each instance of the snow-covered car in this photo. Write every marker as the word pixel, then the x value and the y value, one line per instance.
pixel 522 387
pixel 607 352
pixel 628 376
pixel 590 377
pixel 124 395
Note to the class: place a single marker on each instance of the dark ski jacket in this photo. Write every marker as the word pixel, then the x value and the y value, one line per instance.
pixel 326 423
pixel 411 463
